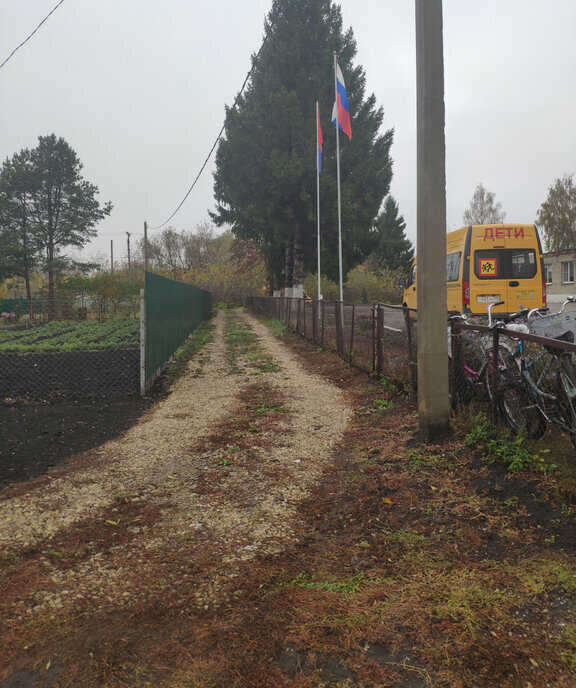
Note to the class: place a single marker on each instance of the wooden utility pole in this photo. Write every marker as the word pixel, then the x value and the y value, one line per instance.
pixel 146 247
pixel 129 270
pixel 433 394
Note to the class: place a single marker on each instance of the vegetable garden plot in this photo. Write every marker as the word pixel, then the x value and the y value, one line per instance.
pixel 72 336
pixel 87 360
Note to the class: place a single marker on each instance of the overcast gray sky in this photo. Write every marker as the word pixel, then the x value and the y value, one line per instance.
pixel 138 88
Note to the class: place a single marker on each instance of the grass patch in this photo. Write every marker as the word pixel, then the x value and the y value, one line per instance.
pixel 202 335
pixel 277 327
pixel 347 586
pixel 243 352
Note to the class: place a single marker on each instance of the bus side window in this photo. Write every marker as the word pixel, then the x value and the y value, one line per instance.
pixel 453 266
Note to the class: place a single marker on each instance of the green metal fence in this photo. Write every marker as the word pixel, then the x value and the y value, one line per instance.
pixel 171 311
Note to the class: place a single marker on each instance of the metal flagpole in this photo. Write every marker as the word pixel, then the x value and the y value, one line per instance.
pixel 338 181
pixel 318 193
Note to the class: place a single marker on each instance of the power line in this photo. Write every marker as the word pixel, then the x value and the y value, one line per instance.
pixel 271 26
pixel 33 32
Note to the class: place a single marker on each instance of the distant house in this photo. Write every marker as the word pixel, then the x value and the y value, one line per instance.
pixel 559 275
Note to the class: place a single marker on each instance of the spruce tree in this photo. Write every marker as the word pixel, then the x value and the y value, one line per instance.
pixel 265 179
pixel 392 249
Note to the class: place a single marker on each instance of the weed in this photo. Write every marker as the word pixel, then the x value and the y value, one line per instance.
pixel 514 453
pixel 348 586
pixel 276 326
pixel 382 405
pixel 434 508
pixel 406 537
pixel 482 431
pixel 269 408
pixel 201 336
pixel 569 638
pixel 262 363
pixel 422 461
pixel 389 385
pixel 462 597
pixel 511 502
pixel 54 553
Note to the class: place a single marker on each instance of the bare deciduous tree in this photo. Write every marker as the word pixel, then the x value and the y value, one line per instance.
pixel 482 209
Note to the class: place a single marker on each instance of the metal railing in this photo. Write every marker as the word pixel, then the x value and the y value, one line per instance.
pixel 377 338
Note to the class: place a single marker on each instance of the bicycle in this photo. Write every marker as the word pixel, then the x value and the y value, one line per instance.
pixel 549 376
pixel 507 391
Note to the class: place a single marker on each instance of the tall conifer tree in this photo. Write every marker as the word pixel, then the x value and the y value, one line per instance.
pixel 265 182
pixel 392 248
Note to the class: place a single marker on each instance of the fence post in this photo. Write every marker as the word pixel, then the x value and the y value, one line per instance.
pixel 379 340
pixel 315 315
pixel 298 319
pixel 339 315
pixel 352 332
pixel 142 342
pixel 408 322
pixel 373 337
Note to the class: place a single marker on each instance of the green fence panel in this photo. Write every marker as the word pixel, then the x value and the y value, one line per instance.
pixel 173 311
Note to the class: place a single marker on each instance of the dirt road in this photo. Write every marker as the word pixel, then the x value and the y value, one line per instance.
pixel 274 522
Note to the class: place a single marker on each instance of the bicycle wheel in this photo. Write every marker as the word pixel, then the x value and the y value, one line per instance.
pixel 566 381
pixel 515 402
pixel 519 408
pixel 507 369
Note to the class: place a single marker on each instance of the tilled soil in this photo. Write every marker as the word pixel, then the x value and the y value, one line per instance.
pixel 275 522
pixel 41 436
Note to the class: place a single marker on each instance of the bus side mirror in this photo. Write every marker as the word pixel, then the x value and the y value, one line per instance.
pixel 402 283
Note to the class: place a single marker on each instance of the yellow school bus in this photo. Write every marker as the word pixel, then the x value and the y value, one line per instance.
pixel 490 263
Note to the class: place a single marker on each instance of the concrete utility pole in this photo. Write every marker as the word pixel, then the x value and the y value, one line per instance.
pixel 433 394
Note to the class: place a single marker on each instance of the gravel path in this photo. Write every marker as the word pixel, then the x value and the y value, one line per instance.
pixel 214 511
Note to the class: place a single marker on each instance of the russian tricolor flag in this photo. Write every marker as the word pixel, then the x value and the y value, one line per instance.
pixel 341 109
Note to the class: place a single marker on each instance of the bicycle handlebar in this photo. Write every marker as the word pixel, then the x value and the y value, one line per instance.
pixel 542 311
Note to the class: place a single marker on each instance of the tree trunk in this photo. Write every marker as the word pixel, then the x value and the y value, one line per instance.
pixel 28 293
pixel 289 269
pixel 298 264
pixel 51 295
pixel 26 275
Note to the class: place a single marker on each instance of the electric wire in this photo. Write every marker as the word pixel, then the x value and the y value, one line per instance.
pixel 271 26
pixel 30 36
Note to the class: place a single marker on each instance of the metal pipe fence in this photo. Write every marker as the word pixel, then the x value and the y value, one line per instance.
pixel 377 338
pixel 381 339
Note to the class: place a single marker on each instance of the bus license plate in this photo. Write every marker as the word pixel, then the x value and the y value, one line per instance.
pixel 488 299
